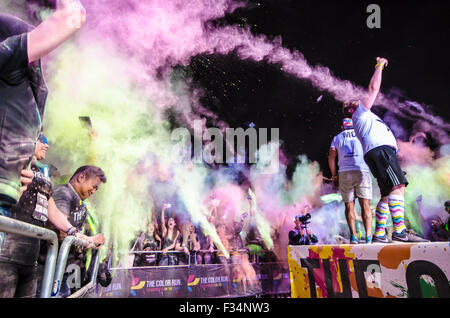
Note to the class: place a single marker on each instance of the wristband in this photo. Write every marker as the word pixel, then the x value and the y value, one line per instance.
pixel 70 228
pixel 379 65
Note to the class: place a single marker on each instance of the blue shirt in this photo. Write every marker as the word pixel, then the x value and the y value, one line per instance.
pixel 350 152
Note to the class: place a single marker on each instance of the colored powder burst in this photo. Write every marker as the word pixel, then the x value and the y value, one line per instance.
pixel 125 132
pixel 119 72
pixel 432 184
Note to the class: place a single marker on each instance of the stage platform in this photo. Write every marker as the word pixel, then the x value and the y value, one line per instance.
pixel 396 270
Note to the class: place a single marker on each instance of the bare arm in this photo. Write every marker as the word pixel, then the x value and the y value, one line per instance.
pixel 375 83
pixel 68 17
pixel 57 218
pixel 60 221
pixel 163 221
pixel 332 164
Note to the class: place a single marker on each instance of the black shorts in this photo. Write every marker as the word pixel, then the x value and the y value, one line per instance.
pixel 385 167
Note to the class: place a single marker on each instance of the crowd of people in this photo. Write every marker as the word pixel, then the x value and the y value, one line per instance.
pixel 168 242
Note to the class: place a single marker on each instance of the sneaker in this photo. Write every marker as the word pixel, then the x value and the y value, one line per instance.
pixel 381 239
pixel 406 236
pixel 369 240
pixel 353 240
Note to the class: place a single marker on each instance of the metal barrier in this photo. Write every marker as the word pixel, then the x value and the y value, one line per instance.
pixel 181 252
pixel 161 252
pixel 10 225
pixel 62 260
pixel 208 251
pixel 92 283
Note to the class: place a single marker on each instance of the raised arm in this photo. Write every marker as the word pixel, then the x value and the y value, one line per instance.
pixel 375 83
pixel 163 220
pixel 67 19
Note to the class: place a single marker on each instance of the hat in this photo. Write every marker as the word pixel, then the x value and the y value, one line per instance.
pixel 347 123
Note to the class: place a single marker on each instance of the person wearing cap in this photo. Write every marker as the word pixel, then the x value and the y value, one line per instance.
pixel 300 235
pixel 23 91
pixel 380 153
pixel 18 256
pixel 353 177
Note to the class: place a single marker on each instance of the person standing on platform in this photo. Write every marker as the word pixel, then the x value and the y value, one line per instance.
pixel 354 177
pixel 380 154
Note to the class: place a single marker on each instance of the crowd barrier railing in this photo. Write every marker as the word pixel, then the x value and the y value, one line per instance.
pixel 91 285
pixel 181 252
pixel 10 225
pixel 62 260
pixel 161 252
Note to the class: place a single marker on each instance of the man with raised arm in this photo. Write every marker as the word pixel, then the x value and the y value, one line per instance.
pixel 22 101
pixel 380 154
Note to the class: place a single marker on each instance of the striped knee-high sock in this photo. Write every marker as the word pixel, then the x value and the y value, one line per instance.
pixel 381 217
pixel 397 209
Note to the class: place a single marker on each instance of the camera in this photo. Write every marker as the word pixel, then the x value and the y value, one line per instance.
pixel 304 218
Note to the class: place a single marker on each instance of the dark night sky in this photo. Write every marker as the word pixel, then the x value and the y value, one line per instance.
pixel 413 37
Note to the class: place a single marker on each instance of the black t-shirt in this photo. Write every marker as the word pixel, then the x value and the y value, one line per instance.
pixel 22 99
pixel 68 202
pixel 71 205
pixel 17 248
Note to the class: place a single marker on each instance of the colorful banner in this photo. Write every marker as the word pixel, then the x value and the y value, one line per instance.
pixel 396 270
pixel 198 281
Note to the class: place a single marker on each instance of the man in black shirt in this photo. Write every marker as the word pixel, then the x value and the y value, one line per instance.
pixel 22 89
pixel 69 199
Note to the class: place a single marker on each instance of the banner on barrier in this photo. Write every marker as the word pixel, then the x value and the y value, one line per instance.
pixel 197 281
pixel 396 270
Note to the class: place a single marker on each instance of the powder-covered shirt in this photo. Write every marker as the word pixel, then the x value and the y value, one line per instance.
pixel 350 152
pixel 371 131
pixel 71 205
pixel 22 101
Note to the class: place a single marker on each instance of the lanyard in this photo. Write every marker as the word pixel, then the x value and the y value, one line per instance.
pixel 89 219
pixel 81 201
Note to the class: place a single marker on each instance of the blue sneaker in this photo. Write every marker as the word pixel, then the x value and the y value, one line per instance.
pixel 354 240
pixel 369 239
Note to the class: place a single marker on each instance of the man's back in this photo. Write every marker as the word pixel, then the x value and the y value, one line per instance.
pixel 350 152
pixel 371 130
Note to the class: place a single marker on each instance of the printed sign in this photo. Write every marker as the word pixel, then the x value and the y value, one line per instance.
pixel 396 270
pixel 195 281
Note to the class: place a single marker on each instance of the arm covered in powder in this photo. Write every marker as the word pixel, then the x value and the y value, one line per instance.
pixel 67 19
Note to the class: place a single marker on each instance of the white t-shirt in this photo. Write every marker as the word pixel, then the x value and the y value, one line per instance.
pixel 350 152
pixel 371 131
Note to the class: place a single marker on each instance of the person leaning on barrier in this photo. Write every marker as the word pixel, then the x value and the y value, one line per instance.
pixel 188 243
pixel 169 239
pixel 69 198
pixel 23 94
pixel 147 241
pixel 18 256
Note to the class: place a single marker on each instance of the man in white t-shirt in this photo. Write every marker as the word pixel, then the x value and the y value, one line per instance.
pixel 380 153
pixel 354 177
